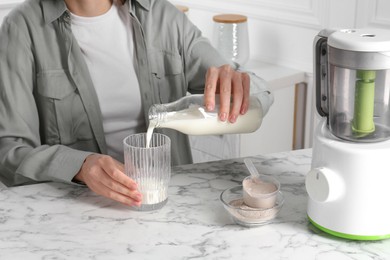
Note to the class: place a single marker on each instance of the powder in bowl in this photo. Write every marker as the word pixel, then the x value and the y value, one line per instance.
pixel 245 215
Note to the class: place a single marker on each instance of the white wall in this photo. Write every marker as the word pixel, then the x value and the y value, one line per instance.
pixel 6 6
pixel 282 31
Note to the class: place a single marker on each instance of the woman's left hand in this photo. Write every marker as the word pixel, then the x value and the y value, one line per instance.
pixel 233 89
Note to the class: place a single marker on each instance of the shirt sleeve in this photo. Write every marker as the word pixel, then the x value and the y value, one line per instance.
pixel 259 88
pixel 23 159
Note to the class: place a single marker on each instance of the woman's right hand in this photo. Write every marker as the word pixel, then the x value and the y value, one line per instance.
pixel 105 176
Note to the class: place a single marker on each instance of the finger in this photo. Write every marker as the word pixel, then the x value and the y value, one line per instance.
pixel 120 166
pixel 96 177
pixel 237 90
pixel 114 195
pixel 225 83
pixel 246 93
pixel 210 88
pixel 117 173
pixel 131 183
pixel 123 179
pixel 119 188
pixel 97 185
pixel 109 181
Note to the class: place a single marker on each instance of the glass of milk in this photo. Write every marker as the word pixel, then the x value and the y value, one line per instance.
pixel 150 167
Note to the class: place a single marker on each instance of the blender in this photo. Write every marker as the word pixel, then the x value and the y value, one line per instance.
pixel 349 181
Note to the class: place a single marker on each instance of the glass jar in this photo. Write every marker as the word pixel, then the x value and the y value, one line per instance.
pixel 183 8
pixel 231 37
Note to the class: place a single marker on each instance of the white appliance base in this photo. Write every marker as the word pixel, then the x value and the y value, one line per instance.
pixel 349 187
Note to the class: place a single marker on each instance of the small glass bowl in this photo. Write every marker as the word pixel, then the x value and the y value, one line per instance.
pixel 243 215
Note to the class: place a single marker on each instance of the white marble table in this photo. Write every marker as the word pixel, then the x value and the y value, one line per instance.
pixel 59 221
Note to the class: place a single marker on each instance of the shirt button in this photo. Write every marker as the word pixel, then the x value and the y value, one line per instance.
pixel 66 17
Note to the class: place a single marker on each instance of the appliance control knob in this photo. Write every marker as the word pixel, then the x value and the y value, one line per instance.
pixel 323 185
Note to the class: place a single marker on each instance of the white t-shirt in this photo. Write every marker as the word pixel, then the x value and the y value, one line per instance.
pixel 106 42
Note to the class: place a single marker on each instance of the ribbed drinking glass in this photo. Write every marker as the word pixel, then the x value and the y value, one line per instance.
pixel 149 167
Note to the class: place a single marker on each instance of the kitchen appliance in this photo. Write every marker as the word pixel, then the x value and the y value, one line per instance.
pixel 349 181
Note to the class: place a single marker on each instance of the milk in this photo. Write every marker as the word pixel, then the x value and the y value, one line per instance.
pixel 153 191
pixel 149 132
pixel 195 120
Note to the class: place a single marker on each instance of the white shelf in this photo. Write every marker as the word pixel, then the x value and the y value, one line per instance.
pixel 276 76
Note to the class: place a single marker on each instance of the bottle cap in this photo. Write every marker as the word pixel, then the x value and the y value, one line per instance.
pixel 230 18
pixel 182 8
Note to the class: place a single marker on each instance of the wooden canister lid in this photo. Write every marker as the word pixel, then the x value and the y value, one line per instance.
pixel 230 18
pixel 182 8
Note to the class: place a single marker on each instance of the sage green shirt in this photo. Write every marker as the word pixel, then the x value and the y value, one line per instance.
pixel 50 119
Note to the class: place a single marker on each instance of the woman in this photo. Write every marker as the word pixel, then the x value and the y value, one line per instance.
pixel 77 76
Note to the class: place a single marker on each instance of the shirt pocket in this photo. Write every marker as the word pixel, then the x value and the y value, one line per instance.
pixel 167 73
pixel 62 115
pixel 54 84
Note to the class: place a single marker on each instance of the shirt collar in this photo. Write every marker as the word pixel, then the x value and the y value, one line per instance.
pixel 53 9
pixel 144 3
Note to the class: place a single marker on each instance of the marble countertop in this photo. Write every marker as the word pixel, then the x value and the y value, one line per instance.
pixel 60 221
